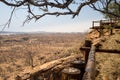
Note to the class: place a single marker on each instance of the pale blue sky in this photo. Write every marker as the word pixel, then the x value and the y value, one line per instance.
pixel 80 23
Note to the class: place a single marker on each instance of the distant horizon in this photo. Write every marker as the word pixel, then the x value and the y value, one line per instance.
pixel 38 32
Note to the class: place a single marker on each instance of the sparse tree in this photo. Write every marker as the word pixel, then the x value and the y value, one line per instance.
pixel 39 8
pixel 114 8
pixel 29 59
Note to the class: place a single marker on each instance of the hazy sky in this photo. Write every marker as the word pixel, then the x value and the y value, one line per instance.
pixel 80 23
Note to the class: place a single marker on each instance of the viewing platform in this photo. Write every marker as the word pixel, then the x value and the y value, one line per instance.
pixel 115 23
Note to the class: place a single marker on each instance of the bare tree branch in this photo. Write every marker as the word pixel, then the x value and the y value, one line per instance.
pixel 10 19
pixel 104 8
pixel 20 3
pixel 61 7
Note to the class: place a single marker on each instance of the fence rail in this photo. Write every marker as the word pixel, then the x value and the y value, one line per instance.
pixel 91 60
pixel 101 23
pixel 102 50
pixel 90 66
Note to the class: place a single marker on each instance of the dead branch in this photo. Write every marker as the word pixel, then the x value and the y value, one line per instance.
pixel 27 74
pixel 61 7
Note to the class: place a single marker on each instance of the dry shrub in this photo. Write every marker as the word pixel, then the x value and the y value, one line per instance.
pixel 19 51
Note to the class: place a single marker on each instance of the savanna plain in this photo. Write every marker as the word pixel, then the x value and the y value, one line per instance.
pixel 21 51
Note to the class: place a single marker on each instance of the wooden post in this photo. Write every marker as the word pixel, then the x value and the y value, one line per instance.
pixel 112 26
pixel 70 73
pixel 79 64
pixel 90 67
pixel 87 44
pixel 101 28
pixel 93 24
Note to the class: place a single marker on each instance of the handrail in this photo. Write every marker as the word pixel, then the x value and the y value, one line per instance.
pixel 90 67
pixel 112 51
pixel 101 22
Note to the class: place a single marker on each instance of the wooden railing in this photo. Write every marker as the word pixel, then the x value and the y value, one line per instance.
pixel 90 66
pixel 101 23
pixel 91 61
pixel 106 24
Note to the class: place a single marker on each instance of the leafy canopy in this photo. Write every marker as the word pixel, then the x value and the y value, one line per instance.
pixel 113 8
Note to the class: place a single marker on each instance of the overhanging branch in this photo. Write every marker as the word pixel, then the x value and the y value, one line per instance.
pixel 60 7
